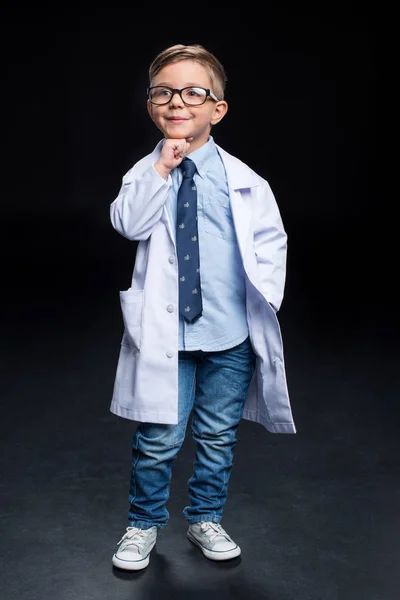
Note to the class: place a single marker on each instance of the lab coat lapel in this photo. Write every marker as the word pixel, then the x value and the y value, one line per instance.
pixel 165 218
pixel 240 179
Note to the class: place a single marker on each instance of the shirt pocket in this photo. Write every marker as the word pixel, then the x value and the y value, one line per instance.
pixel 132 314
pixel 218 217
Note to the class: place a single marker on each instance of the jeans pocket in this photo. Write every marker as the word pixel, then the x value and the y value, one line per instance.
pixel 132 314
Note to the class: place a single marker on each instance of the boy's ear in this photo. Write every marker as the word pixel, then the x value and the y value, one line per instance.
pixel 220 110
pixel 150 109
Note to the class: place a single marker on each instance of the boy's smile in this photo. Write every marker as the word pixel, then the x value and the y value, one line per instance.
pixel 176 119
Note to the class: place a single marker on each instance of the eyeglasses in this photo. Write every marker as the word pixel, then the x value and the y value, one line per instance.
pixel 192 96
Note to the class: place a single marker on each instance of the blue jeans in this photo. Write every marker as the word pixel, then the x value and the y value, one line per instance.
pixel 214 385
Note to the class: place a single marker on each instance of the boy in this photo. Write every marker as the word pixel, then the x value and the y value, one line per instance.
pixel 200 325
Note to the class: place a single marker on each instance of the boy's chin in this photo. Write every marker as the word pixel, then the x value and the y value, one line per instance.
pixel 177 132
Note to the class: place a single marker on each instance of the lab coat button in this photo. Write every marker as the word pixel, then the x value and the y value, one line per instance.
pixel 170 308
pixel 171 259
pixel 170 354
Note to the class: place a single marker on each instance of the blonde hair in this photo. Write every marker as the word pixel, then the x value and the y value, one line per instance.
pixel 195 52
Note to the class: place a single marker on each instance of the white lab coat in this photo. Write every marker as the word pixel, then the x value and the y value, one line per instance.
pixel 146 381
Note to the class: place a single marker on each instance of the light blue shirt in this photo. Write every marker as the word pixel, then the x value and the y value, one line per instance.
pixel 223 323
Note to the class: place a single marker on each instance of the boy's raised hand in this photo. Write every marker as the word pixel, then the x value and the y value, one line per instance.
pixel 172 154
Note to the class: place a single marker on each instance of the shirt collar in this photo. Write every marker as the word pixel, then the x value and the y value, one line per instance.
pixel 204 156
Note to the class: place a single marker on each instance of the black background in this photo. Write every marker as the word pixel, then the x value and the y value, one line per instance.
pixel 302 90
pixel 301 93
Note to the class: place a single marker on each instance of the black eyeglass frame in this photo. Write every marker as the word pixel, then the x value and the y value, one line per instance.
pixel 209 94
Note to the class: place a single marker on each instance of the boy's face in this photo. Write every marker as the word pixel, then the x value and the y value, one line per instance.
pixel 176 120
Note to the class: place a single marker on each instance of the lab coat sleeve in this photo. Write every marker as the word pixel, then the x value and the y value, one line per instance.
pixel 139 204
pixel 270 245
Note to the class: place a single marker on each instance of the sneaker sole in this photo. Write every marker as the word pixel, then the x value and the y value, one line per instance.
pixel 211 554
pixel 131 565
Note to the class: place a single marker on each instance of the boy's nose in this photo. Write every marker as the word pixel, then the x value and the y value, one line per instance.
pixel 176 99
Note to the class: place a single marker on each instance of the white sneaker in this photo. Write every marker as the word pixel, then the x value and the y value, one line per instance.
pixel 134 549
pixel 213 540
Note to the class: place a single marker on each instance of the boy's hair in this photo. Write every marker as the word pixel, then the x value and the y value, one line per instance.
pixel 199 54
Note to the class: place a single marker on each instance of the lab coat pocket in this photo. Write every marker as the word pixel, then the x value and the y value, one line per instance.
pixel 132 314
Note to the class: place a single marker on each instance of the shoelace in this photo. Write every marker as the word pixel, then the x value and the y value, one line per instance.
pixel 216 528
pixel 134 536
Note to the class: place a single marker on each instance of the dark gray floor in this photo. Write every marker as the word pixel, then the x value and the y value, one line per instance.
pixel 316 513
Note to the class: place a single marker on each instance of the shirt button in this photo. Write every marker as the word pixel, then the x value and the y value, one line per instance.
pixel 170 308
pixel 170 354
pixel 171 259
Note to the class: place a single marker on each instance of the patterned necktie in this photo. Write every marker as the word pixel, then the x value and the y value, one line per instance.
pixel 187 245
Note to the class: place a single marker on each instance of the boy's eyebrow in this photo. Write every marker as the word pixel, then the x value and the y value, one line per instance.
pixel 187 85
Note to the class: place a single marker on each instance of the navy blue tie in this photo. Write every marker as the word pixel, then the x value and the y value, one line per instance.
pixel 187 245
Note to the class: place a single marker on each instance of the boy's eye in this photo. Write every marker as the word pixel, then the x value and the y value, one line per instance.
pixel 160 93
pixel 194 95
pixel 195 92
